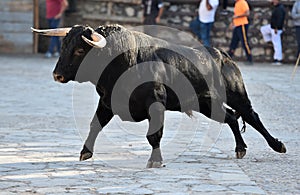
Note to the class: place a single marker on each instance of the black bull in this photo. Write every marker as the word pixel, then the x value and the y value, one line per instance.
pixel 214 80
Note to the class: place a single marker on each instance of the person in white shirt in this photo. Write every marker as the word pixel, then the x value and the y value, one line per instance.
pixel 206 17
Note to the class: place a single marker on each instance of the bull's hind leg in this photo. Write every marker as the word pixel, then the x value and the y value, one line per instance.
pixel 252 119
pixel 227 116
pixel 154 135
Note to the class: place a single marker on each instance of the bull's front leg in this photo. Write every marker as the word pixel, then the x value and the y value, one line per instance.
pixel 102 116
pixel 154 135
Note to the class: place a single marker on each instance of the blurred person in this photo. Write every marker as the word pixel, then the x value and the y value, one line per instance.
pixel 224 7
pixel 240 24
pixel 153 10
pixel 203 24
pixel 272 32
pixel 72 6
pixel 54 12
pixel 224 4
pixel 296 19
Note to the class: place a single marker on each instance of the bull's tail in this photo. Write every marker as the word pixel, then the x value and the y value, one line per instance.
pixel 189 113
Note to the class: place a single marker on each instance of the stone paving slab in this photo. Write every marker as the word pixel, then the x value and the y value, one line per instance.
pixel 41 140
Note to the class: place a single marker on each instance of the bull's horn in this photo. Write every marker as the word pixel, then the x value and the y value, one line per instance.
pixel 60 32
pixel 98 40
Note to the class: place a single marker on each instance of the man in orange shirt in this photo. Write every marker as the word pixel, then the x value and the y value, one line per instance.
pixel 240 28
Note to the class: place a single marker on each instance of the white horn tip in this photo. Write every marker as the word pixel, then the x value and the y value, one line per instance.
pixel 100 43
pixel 33 29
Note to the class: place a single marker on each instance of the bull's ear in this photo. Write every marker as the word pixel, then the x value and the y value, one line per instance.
pixel 60 32
pixel 98 40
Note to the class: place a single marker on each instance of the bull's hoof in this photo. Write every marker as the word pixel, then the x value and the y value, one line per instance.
pixel 279 147
pixel 85 154
pixel 283 148
pixel 240 154
pixel 152 164
pixel 155 161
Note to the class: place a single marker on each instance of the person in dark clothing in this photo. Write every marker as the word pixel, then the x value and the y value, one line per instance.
pixel 225 3
pixel 272 32
pixel 153 10
pixel 296 19
pixel 224 7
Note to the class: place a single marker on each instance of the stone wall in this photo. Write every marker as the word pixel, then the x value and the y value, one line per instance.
pixel 16 20
pixel 179 13
pixel 17 17
pixel 97 12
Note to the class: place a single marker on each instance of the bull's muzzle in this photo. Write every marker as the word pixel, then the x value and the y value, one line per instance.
pixel 58 78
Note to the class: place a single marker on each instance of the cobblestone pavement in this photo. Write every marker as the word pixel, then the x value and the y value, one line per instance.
pixel 41 141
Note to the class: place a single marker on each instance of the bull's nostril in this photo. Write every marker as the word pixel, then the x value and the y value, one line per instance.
pixel 58 77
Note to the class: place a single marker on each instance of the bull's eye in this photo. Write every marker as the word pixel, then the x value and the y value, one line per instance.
pixel 79 52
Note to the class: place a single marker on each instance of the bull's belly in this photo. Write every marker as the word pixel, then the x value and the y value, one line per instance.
pixel 137 111
pixel 132 117
pixel 133 113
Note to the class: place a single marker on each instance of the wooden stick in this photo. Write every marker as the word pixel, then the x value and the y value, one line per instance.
pixel 296 65
pixel 36 25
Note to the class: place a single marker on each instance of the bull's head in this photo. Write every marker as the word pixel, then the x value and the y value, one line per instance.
pixel 77 42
